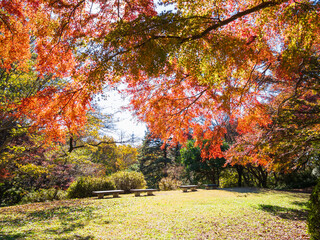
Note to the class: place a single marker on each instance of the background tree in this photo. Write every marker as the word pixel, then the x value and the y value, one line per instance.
pixel 114 157
pixel 158 161
pixel 200 170
pixel 27 168
pixel 153 160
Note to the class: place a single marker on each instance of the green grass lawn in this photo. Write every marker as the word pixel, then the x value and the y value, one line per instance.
pixel 204 214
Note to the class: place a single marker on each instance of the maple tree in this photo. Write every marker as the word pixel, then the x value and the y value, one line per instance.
pixel 186 69
pixel 51 38
pixel 291 141
pixel 189 69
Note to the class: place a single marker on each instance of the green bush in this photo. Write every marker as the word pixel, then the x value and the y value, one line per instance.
pixel 128 180
pixel 43 195
pixel 10 195
pixel 228 178
pixel 167 184
pixel 300 179
pixel 84 186
pixel 314 213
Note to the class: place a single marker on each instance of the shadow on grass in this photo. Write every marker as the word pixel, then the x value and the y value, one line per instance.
pixel 242 189
pixel 12 236
pixel 285 213
pixel 300 204
pixel 64 213
pixel 144 196
pixel 66 228
pixel 65 219
pixel 77 237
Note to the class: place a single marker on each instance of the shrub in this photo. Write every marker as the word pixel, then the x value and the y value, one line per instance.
pixel 128 180
pixel 314 213
pixel 167 184
pixel 84 186
pixel 300 179
pixel 43 195
pixel 228 178
pixel 10 195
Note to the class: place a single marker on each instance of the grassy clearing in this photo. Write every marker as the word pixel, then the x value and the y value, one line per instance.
pixel 205 214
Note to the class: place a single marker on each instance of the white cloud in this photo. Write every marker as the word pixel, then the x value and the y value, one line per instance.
pixel 126 125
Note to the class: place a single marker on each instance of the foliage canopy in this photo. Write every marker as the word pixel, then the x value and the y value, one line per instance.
pixel 187 69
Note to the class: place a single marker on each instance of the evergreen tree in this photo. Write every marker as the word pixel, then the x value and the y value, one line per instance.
pixel 153 159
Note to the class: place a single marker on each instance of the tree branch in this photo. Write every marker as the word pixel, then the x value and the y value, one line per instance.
pixel 219 24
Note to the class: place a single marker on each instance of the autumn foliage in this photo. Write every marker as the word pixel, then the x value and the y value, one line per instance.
pixel 196 70
pixel 209 66
pixel 51 38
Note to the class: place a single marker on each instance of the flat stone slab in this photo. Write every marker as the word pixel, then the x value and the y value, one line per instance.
pixel 115 193
pixel 143 190
pixel 138 191
pixel 186 187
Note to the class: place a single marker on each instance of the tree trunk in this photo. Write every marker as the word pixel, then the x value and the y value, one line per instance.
pixel 240 173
